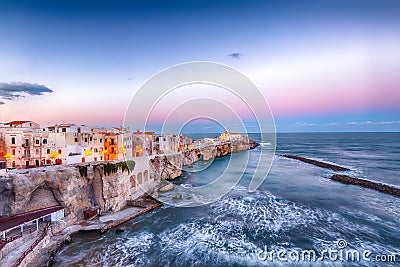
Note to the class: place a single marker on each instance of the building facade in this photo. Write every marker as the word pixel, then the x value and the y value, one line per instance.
pixel 24 144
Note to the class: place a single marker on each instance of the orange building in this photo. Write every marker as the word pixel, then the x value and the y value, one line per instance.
pixel 3 152
pixel 111 146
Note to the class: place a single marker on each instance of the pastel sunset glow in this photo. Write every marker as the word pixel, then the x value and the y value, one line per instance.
pixel 322 66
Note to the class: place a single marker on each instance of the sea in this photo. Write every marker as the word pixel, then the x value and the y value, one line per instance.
pixel 298 210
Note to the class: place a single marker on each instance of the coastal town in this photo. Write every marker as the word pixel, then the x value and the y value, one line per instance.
pixel 64 178
pixel 25 144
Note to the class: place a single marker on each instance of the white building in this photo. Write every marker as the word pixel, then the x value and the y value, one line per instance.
pixel 169 143
pixel 17 138
pixel 143 143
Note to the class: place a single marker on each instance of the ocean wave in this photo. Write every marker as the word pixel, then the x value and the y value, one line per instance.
pixel 199 242
pixel 265 144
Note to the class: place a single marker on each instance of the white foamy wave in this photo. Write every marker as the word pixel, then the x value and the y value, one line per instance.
pixel 131 250
pixel 128 251
pixel 197 242
pixel 267 214
pixel 265 144
pixel 186 185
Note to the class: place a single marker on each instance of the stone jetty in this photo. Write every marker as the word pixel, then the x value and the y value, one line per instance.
pixel 317 163
pixel 345 179
pixel 367 184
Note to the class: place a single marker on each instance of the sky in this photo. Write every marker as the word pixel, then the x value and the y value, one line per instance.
pixel 322 66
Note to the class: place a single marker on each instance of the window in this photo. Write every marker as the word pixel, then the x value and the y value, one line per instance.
pixel 44 141
pixel 86 139
pixel 59 151
pixel 91 139
pixel 37 142
pixel 112 141
pixel 37 151
pixel 76 139
pixel 13 140
pixel 95 150
pixel 26 142
pixel 48 151
pixel 101 140
pixel 64 130
pixel 13 152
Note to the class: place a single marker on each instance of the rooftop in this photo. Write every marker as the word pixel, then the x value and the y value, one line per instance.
pixel 20 218
pixel 15 122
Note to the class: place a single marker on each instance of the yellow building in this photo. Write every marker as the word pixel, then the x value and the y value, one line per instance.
pixel 111 150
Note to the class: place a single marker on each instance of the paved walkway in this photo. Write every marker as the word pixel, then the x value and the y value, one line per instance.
pixel 120 215
pixel 22 245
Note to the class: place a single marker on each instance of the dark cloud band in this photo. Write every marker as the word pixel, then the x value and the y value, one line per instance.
pixel 15 90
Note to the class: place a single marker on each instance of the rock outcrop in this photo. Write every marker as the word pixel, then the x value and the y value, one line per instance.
pixel 7 195
pixel 75 187
pixel 167 167
pixel 170 167
pixel 191 156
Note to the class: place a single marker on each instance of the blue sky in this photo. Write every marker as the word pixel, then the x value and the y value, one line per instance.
pixel 322 65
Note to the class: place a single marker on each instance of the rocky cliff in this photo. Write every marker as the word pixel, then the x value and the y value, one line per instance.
pixel 191 156
pixel 170 167
pixel 75 187
pixel 167 167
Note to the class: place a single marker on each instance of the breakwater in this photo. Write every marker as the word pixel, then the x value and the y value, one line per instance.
pixel 345 179
pixel 317 163
pixel 367 184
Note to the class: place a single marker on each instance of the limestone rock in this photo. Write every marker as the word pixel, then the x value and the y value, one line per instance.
pixel 167 187
pixel 75 187
pixel 167 168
